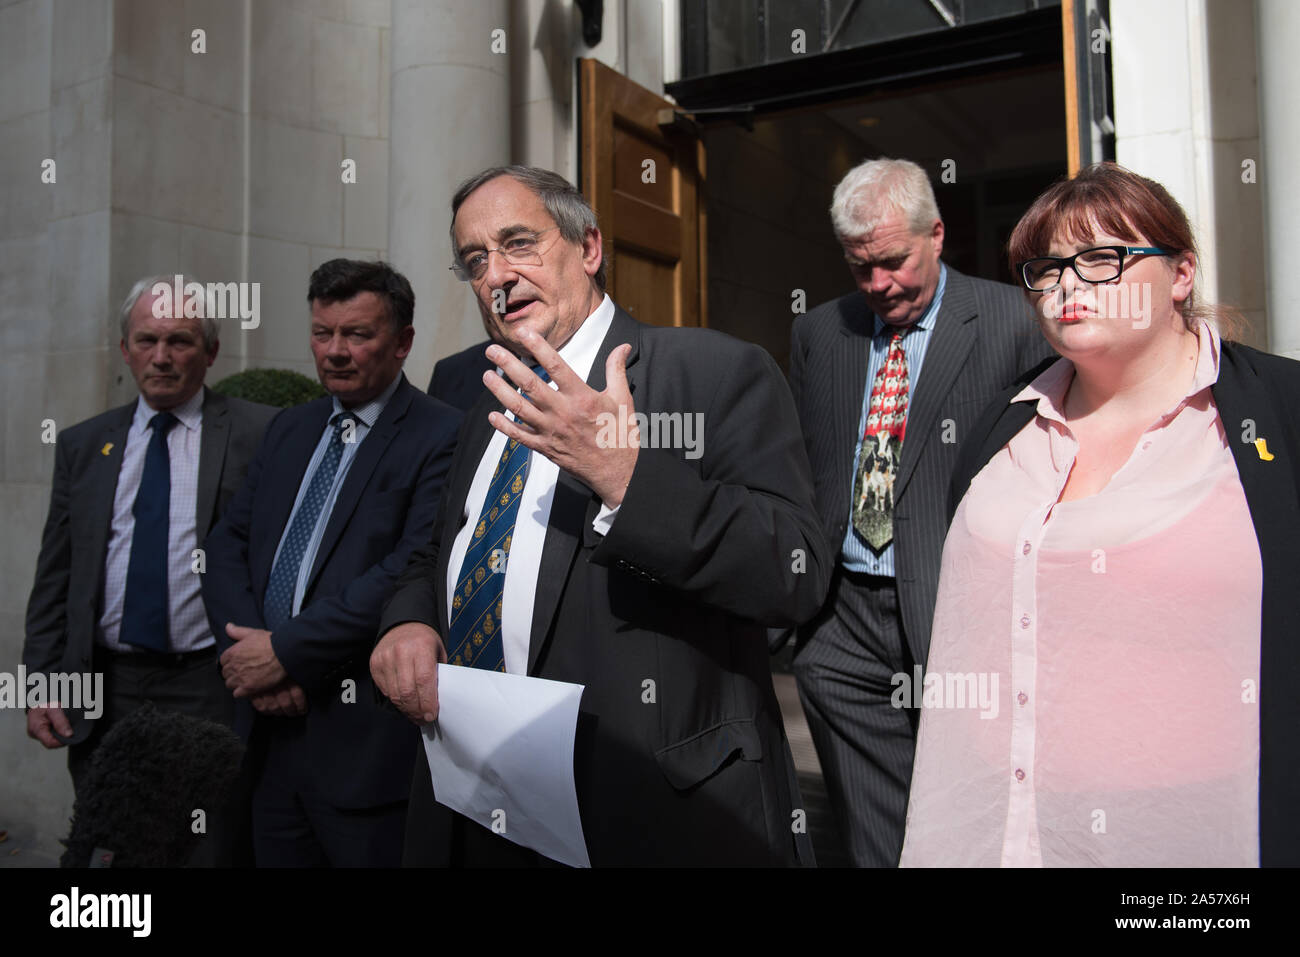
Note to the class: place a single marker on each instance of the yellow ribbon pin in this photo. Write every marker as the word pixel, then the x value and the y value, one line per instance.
pixel 1261 446
pixel 108 447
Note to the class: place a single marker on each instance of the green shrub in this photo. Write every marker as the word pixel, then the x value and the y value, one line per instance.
pixel 278 387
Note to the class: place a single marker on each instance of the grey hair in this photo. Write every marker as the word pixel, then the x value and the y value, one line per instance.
pixel 563 201
pixel 872 190
pixel 208 325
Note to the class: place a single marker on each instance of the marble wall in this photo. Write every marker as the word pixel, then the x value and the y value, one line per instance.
pixel 222 164
pixel 1185 76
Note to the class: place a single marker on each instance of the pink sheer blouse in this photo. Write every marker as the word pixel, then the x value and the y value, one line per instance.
pixel 1093 676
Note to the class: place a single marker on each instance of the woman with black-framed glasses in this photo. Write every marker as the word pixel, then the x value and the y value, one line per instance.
pixel 1116 641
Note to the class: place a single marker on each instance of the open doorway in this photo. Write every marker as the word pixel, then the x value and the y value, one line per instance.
pixel 991 145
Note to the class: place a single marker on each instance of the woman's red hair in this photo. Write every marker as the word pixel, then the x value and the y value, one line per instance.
pixel 1108 198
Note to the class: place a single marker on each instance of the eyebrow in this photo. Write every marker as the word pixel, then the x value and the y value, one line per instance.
pixel 884 258
pixel 169 334
pixel 499 235
pixel 1091 244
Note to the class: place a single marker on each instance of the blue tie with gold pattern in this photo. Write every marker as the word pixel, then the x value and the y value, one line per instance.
pixel 475 630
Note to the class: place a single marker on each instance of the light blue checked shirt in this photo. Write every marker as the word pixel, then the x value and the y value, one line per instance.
pixel 367 415
pixel 855 554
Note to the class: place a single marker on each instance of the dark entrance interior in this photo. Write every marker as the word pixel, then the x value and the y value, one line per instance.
pixel 972 91
pixel 980 106
pixel 990 145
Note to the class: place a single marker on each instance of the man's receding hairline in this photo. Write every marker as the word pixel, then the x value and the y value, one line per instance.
pixel 455 218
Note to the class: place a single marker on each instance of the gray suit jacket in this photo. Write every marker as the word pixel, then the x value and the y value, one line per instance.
pixel 67 595
pixel 985 336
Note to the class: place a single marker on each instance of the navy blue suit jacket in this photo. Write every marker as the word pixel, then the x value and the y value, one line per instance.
pixel 458 379
pixel 359 753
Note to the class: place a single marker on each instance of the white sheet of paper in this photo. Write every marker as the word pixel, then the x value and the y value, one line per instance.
pixel 501 752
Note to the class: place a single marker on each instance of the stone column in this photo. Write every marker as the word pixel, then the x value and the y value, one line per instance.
pixel 450 117
pixel 1278 24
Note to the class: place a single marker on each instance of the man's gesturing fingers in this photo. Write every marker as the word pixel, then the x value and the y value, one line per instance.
pixel 404 666
pixel 544 355
pixel 616 386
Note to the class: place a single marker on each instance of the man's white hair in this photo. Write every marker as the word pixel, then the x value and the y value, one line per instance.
pixel 209 327
pixel 872 191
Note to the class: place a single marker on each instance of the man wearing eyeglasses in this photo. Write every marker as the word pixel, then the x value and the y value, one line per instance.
pixel 646 574
pixel 888 380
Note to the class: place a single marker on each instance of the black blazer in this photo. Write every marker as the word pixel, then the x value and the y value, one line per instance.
pixel 67 596
pixel 984 336
pixel 458 379
pixel 360 753
pixel 1258 395
pixel 704 552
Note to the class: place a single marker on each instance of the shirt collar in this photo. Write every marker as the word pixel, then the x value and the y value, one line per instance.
pixel 580 351
pixel 926 321
pixel 369 412
pixel 1049 387
pixel 189 413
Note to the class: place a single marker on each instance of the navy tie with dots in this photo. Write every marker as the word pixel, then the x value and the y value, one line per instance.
pixel 144 603
pixel 475 628
pixel 277 606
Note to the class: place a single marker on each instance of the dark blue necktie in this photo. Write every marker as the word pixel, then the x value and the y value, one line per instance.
pixel 277 607
pixel 475 629
pixel 144 603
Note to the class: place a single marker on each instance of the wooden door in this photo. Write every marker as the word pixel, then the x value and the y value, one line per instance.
pixel 643 172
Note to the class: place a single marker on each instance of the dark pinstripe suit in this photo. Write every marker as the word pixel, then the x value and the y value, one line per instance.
pixel 869 630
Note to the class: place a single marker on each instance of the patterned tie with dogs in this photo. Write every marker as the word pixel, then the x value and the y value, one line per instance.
pixel 882 443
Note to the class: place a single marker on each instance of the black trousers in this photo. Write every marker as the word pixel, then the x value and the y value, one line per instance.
pixel 188 683
pixel 295 826
pixel 844 663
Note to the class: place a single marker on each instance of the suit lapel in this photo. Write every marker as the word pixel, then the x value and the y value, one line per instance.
pixel 575 505
pixel 950 344
pixel 295 453
pixel 368 454
pixel 212 457
pixel 1240 398
pixel 1270 486
pixel 848 387
pixel 107 465
pixel 469 453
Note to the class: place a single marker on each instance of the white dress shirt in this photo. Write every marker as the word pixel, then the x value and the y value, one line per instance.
pixel 187 619
pixel 524 562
